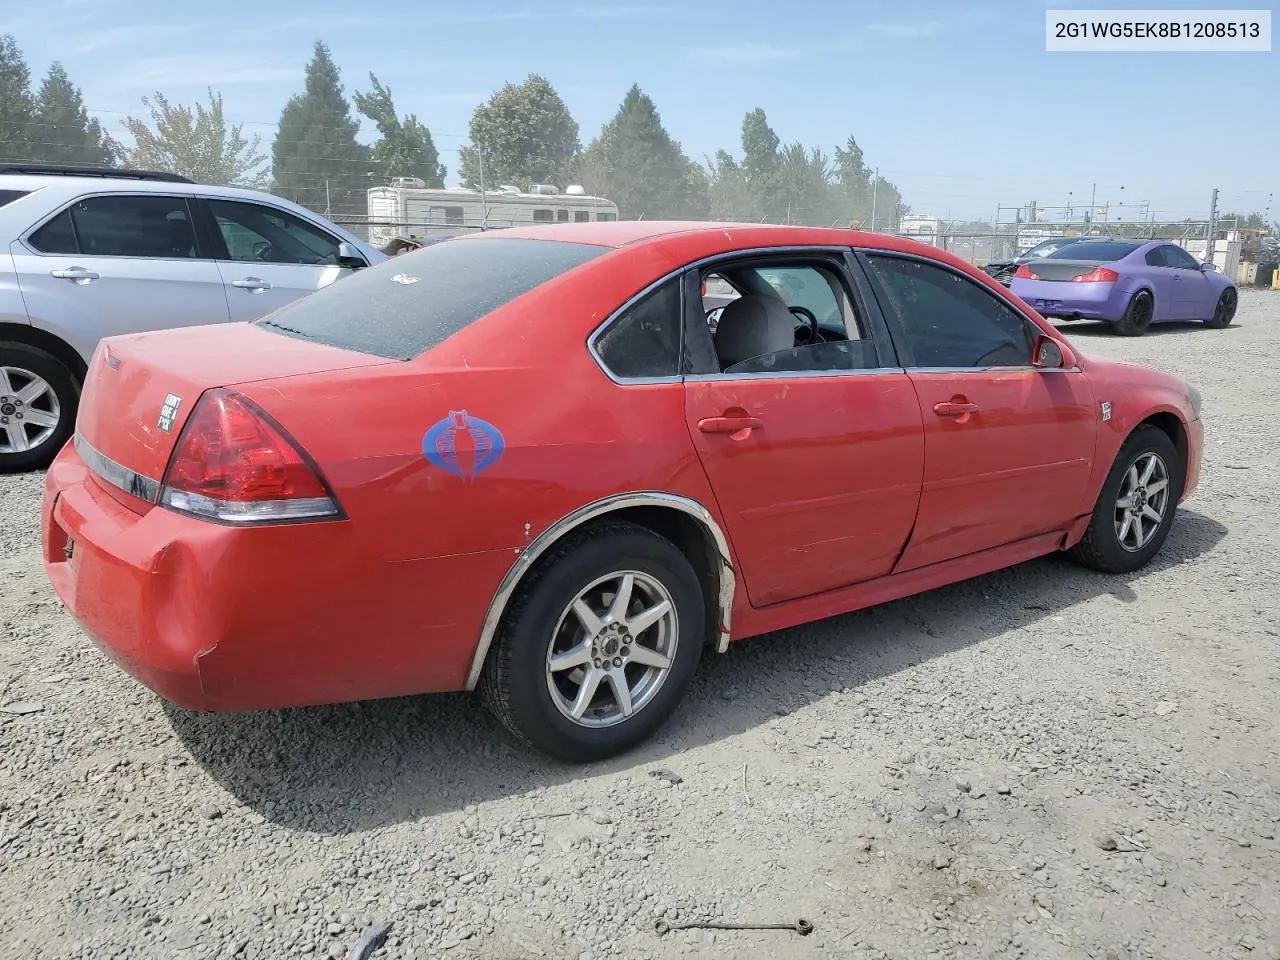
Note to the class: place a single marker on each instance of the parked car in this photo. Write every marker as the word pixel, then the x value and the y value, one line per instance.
pixel 89 253
pixel 521 461
pixel 1002 270
pixel 1130 284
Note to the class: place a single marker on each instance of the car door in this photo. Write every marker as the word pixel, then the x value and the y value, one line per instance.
pixel 1008 447
pixel 1195 297
pixel 267 256
pixel 1161 278
pixel 118 263
pixel 815 452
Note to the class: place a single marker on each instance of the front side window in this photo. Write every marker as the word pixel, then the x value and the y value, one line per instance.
pixel 1155 257
pixel 121 225
pixel 644 341
pixel 1176 257
pixel 256 233
pixel 948 320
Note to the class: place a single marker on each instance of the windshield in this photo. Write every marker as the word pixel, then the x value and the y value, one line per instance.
pixel 416 301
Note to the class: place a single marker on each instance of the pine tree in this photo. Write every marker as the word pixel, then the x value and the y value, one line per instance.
pixel 635 163
pixel 67 133
pixel 17 112
pixel 404 149
pixel 316 159
pixel 523 135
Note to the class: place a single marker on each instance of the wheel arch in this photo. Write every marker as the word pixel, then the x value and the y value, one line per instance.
pixel 1171 425
pixel 682 520
pixel 50 343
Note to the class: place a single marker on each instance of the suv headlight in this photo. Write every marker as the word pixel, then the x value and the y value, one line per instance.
pixel 1194 396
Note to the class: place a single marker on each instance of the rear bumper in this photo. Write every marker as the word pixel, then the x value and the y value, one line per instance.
pixel 218 618
pixel 1066 300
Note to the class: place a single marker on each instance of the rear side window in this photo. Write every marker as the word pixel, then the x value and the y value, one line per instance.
pixel 119 225
pixel 402 308
pixel 645 340
pixel 8 196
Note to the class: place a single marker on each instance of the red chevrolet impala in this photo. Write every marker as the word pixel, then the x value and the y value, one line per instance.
pixel 538 462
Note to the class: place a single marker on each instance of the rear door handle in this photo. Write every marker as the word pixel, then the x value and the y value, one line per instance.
pixel 954 409
pixel 251 283
pixel 728 424
pixel 78 274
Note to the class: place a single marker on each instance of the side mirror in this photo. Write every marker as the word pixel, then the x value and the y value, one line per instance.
pixel 1208 266
pixel 349 256
pixel 1047 354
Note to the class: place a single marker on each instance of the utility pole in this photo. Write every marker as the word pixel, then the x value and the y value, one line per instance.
pixel 1093 203
pixel 1212 227
pixel 484 204
pixel 874 184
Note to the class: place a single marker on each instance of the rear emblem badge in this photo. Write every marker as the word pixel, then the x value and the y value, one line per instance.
pixel 169 412
pixel 404 278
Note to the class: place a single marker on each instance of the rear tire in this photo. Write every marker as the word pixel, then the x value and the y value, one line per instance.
pixel 1111 545
pixel 545 655
pixel 1225 311
pixel 39 398
pixel 1137 316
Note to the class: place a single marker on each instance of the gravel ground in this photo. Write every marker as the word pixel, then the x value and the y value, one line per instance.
pixel 1040 763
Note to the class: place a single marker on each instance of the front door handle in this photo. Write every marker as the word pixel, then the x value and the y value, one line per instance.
pixel 251 283
pixel 78 274
pixel 728 424
pixel 952 408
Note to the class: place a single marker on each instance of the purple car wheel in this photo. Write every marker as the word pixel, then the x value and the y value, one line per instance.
pixel 1137 316
pixel 1225 312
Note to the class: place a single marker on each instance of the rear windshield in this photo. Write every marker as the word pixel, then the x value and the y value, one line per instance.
pixel 8 196
pixel 1099 250
pixel 404 307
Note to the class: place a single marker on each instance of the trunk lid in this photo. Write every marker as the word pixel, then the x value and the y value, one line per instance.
pixel 140 389
pixel 1062 269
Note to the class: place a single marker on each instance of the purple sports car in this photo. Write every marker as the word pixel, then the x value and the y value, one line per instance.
pixel 1128 283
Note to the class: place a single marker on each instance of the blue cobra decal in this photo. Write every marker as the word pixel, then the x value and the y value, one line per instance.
pixel 463 445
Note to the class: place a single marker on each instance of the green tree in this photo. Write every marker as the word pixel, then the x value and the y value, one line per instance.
pixel 802 184
pixel 635 163
pixel 315 157
pixel 404 148
pixel 524 134
pixel 18 137
pixel 729 196
pixel 67 133
pixel 196 143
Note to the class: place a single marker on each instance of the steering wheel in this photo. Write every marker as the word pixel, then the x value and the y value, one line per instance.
pixel 805 314
pixel 261 250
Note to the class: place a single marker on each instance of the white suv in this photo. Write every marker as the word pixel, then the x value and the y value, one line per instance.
pixel 88 253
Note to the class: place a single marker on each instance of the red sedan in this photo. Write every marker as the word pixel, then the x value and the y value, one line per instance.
pixel 538 462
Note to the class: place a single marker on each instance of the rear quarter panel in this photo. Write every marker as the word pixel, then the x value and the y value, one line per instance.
pixel 13 309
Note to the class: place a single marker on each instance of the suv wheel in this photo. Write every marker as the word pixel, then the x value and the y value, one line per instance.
pixel 38 402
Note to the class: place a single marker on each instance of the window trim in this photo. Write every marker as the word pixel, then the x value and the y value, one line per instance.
pixel 862 254
pixel 193 217
pixel 878 331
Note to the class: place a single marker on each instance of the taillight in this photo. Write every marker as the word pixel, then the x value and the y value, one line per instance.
pixel 233 463
pixel 1097 275
pixel 1024 273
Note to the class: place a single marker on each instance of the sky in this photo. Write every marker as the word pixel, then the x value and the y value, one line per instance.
pixel 956 103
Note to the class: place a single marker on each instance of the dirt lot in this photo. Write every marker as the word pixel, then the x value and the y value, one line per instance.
pixel 1041 763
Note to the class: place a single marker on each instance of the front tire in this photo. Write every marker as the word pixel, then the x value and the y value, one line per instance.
pixel 38 402
pixel 1137 316
pixel 599 644
pixel 1225 311
pixel 1135 509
